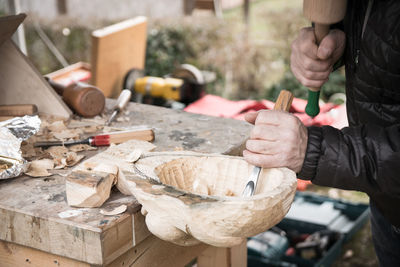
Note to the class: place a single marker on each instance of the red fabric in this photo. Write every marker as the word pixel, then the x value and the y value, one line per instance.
pixel 220 107
pixel 212 105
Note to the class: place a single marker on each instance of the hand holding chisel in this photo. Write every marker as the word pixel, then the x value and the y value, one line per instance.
pixel 122 101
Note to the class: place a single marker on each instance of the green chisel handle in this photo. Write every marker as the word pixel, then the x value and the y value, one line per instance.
pixel 312 108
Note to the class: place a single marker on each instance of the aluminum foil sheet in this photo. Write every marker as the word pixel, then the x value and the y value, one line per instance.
pixel 12 133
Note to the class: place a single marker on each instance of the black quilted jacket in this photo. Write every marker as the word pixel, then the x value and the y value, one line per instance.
pixel 366 155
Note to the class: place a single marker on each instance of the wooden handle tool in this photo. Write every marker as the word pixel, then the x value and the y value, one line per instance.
pixel 122 101
pixel 322 13
pixel 105 139
pixel 283 102
pixel 85 99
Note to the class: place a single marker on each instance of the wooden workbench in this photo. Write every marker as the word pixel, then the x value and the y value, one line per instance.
pixel 38 228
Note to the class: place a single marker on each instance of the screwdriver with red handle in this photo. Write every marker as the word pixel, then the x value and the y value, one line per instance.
pixel 145 134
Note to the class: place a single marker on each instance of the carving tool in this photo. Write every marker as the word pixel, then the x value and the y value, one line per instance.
pixel 283 102
pixel 85 99
pixel 122 101
pixel 145 134
pixel 322 13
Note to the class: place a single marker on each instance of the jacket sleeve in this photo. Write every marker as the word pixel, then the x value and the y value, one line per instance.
pixel 364 158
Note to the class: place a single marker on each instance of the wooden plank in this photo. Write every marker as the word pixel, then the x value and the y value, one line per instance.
pixel 12 255
pixel 214 257
pixel 156 252
pixel 140 230
pixel 238 255
pixel 224 257
pixel 21 83
pixel 8 25
pixel 117 240
pixel 115 50
pixel 41 218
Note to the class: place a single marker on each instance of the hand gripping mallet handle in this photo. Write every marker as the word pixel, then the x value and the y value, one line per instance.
pixel 322 13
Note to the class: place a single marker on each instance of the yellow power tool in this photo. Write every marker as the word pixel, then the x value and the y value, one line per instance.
pixel 183 86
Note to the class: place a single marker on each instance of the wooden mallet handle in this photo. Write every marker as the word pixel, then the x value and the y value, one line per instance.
pixel 322 13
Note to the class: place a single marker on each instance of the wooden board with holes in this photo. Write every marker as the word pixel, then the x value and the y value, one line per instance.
pixel 115 50
pixel 39 217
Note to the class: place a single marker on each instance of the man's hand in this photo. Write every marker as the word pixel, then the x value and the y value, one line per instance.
pixel 278 139
pixel 311 64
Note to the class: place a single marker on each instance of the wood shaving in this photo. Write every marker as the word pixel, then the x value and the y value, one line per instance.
pixel 134 156
pixel 29 151
pixel 67 134
pixel 4 165
pixel 114 211
pixel 91 129
pixel 57 151
pixel 72 158
pixel 81 124
pixel 81 147
pixel 38 168
pixel 57 126
pixel 60 163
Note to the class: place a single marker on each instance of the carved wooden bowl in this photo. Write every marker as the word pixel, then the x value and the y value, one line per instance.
pixel 190 198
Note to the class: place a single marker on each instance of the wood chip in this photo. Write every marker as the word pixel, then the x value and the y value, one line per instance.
pixel 134 156
pixel 67 134
pixel 57 151
pixel 81 147
pixel 72 158
pixel 38 168
pixel 29 151
pixel 114 211
pixel 91 129
pixel 57 126
pixel 4 165
pixel 60 163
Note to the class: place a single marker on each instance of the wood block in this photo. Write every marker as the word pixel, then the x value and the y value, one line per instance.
pixel 224 257
pixel 115 50
pixel 89 190
pixel 12 255
pixel 156 252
